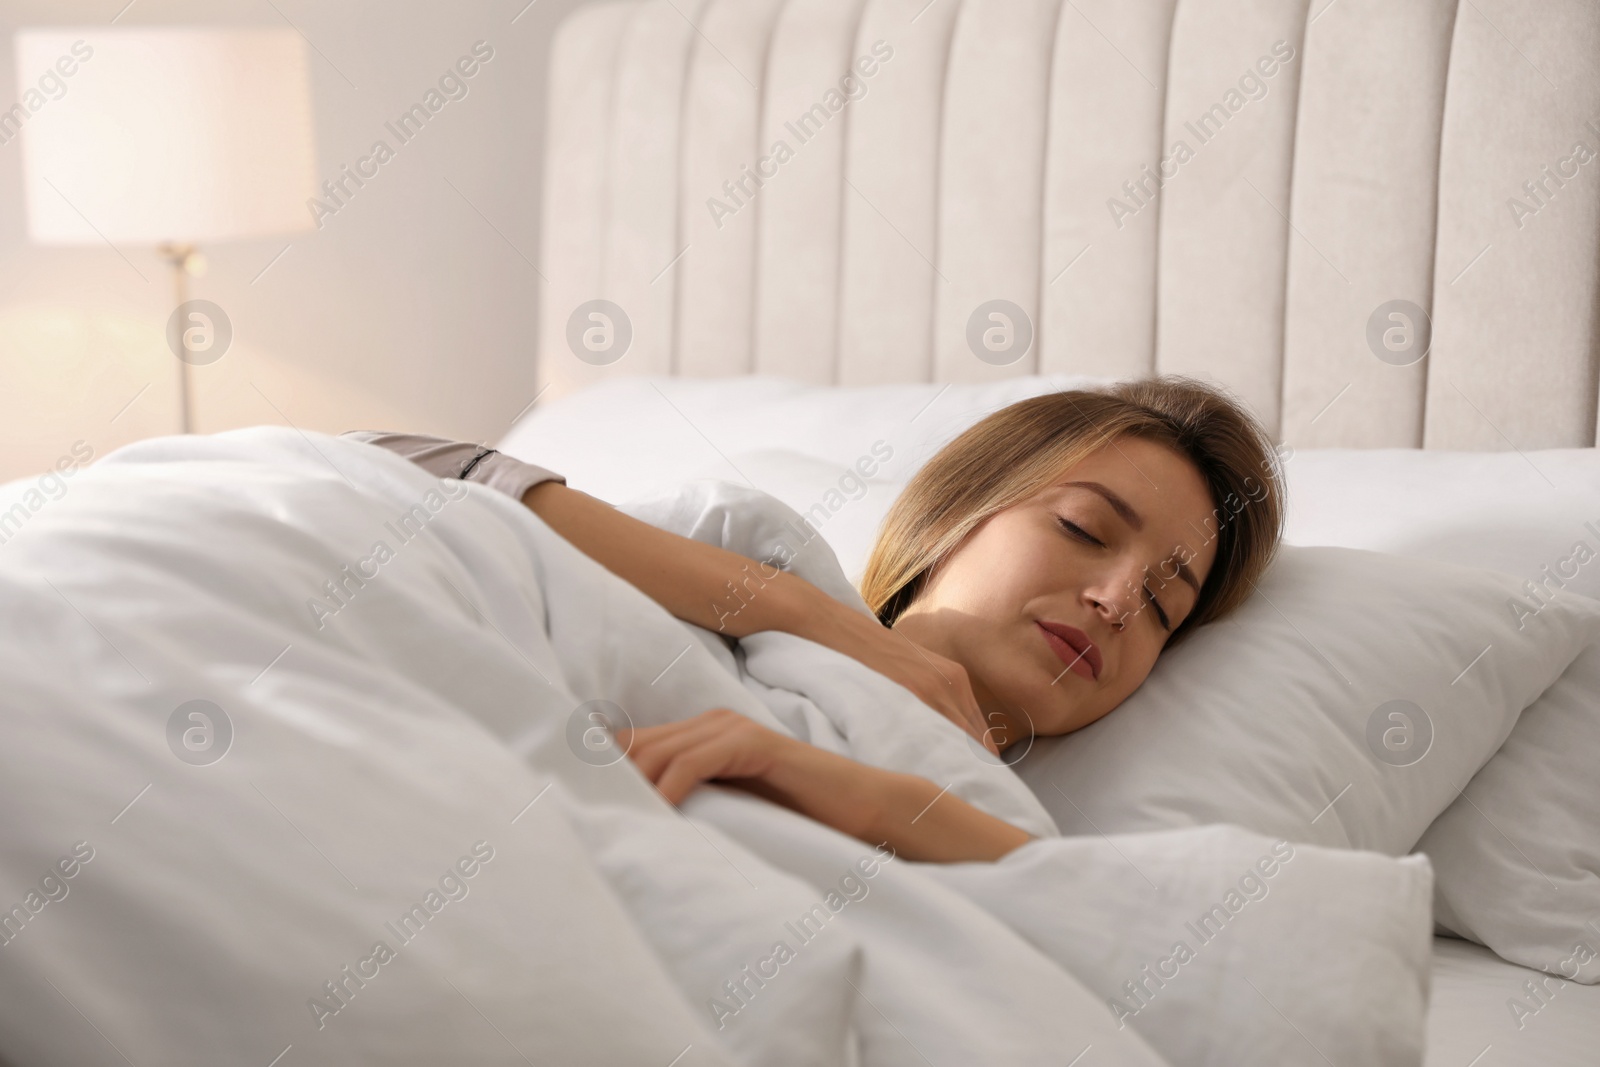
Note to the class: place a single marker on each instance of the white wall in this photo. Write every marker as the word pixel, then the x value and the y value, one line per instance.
pixel 407 310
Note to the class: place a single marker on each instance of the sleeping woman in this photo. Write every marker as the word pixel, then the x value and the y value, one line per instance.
pixel 1024 582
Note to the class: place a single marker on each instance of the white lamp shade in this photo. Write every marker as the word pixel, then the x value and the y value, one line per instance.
pixel 165 134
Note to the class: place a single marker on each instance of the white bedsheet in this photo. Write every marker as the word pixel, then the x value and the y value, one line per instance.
pixel 490 623
pixel 1486 1012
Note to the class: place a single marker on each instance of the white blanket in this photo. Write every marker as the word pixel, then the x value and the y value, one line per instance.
pixel 790 942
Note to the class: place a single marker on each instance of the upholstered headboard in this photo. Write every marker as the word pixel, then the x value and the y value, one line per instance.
pixel 1276 197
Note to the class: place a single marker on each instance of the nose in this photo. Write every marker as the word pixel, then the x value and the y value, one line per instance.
pixel 1115 617
pixel 1115 596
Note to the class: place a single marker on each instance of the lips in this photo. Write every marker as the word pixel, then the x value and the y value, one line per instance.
pixel 1074 648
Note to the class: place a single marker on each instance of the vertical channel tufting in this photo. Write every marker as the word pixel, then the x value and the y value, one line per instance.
pixel 811 93
pixel 1427 152
pixel 642 230
pixel 892 195
pixel 1514 347
pixel 583 71
pixel 721 136
pixel 1366 170
pixel 889 231
pixel 1098 275
pixel 1224 224
pixel 991 199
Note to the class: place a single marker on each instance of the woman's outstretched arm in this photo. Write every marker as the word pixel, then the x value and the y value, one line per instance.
pixel 916 817
pixel 691 578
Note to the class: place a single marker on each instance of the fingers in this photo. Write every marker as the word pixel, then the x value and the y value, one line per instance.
pixel 652 747
pixel 965 705
pixel 965 698
pixel 972 722
pixel 951 696
pixel 985 736
pixel 689 768
pixel 938 681
pixel 678 756
pixel 975 724
pixel 649 747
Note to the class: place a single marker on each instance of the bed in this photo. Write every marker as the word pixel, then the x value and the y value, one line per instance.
pixel 1070 160
pixel 303 757
pixel 632 438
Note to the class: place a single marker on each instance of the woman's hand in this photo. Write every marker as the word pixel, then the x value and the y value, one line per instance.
pixel 939 682
pixel 918 818
pixel 720 743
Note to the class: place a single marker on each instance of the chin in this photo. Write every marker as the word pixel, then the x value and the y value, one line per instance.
pixel 1064 714
pixel 1063 707
pixel 1047 709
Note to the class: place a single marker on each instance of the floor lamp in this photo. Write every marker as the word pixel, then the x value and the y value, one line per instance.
pixel 171 137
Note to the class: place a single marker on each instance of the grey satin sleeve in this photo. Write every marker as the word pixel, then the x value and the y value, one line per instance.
pixel 444 458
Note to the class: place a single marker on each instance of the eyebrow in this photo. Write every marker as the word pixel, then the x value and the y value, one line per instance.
pixel 1119 505
pixel 1135 520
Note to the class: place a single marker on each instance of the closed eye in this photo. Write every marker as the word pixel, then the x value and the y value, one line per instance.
pixel 1087 538
pixel 1166 623
pixel 1080 533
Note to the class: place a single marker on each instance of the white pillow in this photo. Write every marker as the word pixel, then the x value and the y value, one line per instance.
pixel 1517 857
pixel 1283 717
pixel 844 507
pixel 1506 511
pixel 629 436
pixel 1518 854
pixel 1186 935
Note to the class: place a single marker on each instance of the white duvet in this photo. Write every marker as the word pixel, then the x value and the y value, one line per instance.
pixel 407 671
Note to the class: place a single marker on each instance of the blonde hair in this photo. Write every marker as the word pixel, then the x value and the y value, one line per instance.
pixel 1015 452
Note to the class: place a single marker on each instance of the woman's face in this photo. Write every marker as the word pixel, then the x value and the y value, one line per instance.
pixel 1112 553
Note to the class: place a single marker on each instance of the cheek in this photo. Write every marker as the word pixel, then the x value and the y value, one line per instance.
pixel 1138 660
pixel 990 574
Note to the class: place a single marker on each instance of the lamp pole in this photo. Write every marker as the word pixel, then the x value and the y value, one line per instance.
pixel 182 257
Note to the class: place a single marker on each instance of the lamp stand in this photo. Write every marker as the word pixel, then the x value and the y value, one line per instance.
pixel 182 258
